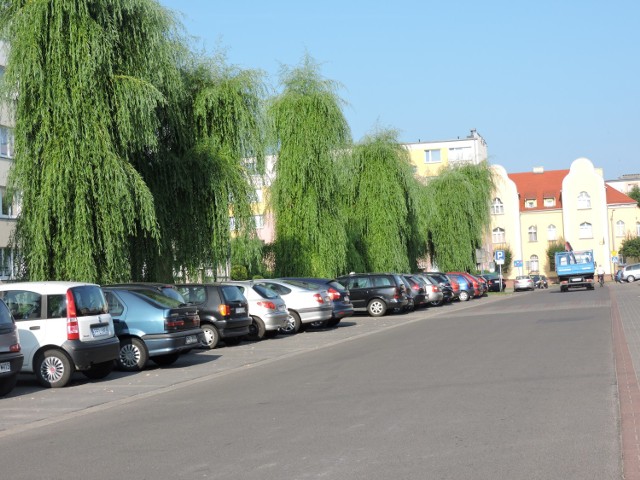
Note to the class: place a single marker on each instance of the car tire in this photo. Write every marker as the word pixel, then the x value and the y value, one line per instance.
pixel 7 384
pixel 436 303
pixel 211 335
pixel 464 296
pixel 256 329
pixel 133 355
pixel 166 360
pixel 631 279
pixel 53 369
pixel 293 324
pixel 99 370
pixel 376 308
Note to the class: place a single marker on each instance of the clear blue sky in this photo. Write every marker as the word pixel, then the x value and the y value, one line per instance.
pixel 543 82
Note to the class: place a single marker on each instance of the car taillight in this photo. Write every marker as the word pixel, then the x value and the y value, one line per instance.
pixel 73 330
pixel 318 298
pixel 171 324
pixel 268 305
pixel 334 294
pixel 15 347
pixel 224 310
pixel 398 293
pixel 416 287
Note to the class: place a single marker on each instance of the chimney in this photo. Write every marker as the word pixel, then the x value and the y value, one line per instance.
pixel 538 169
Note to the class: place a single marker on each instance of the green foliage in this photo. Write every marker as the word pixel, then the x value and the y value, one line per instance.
pixel 458 202
pixel 309 129
pixel 556 246
pixel 239 272
pixel 635 194
pixel 508 260
pixel 384 207
pixel 91 77
pixel 630 248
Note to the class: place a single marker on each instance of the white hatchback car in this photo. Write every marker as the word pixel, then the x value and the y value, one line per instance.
pixel 63 327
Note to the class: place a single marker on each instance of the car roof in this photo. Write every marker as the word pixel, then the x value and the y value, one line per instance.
pixel 53 286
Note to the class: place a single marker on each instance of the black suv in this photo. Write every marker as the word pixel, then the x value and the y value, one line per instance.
pixel 223 310
pixel 375 292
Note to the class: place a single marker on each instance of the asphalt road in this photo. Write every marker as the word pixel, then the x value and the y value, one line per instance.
pixel 508 387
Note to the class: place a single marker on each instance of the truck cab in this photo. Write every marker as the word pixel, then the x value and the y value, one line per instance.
pixel 575 269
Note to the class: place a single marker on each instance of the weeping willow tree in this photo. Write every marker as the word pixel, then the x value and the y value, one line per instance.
pixel 459 215
pixel 89 77
pixel 199 176
pixel 311 132
pixel 386 211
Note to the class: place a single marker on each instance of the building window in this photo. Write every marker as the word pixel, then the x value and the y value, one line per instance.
pixel 498 235
pixel 619 228
pixel 534 264
pixel 497 207
pixel 460 154
pixel 432 156
pixel 6 204
pixel 259 221
pixel 584 200
pixel 549 202
pixel 530 203
pixel 6 142
pixel 6 263
pixel 533 233
pixel 552 233
pixel 586 230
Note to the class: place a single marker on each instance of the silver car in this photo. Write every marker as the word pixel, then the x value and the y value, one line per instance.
pixel 523 282
pixel 305 305
pixel 267 309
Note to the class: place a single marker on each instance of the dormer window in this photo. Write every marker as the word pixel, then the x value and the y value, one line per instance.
pixel 530 203
pixel 549 202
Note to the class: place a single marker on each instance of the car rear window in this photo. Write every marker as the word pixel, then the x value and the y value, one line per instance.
pixel 265 292
pixel 231 293
pixel 337 285
pixel 190 294
pixel 89 300
pixel 159 298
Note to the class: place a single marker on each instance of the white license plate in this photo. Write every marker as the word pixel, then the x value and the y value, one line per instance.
pixel 191 339
pixel 240 310
pixel 576 279
pixel 346 298
pixel 100 331
pixel 5 367
pixel 282 308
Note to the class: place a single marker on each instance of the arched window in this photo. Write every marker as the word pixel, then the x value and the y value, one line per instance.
pixel 586 230
pixel 497 207
pixel 584 200
pixel 534 264
pixel 533 233
pixel 619 228
pixel 551 233
pixel 498 235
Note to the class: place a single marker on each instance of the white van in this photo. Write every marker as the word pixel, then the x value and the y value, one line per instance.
pixel 631 272
pixel 63 327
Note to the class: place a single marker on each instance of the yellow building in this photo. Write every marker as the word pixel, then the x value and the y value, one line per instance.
pixel 533 209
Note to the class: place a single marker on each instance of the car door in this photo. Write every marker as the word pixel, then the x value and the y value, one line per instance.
pixel 359 287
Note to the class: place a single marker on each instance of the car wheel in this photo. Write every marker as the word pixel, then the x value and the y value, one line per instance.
pixel 436 303
pixel 53 369
pixel 165 360
pixel 377 308
pixel 293 324
pixel 464 296
pixel 211 335
pixel 256 329
pixel 99 370
pixel 7 384
pixel 631 278
pixel 133 355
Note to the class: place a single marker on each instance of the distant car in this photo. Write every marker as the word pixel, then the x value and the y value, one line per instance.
pixel 63 327
pixel 477 287
pixel 223 311
pixel 305 305
pixel 151 325
pixel 539 281
pixel 523 282
pixel 342 306
pixel 165 288
pixel 415 292
pixel 466 289
pixel 375 292
pixel 445 284
pixel 433 294
pixel 267 309
pixel 11 357
pixel 494 282
pixel 631 273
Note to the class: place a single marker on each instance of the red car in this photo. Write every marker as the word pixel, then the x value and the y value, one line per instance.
pixel 478 289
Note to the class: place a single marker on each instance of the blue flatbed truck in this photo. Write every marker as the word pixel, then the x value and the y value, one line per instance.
pixel 575 269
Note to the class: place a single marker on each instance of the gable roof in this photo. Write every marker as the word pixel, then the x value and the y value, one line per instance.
pixel 538 186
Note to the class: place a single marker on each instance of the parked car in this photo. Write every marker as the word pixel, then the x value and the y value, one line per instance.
pixel 151 325
pixel 342 306
pixel 223 311
pixel 631 272
pixel 165 288
pixel 267 309
pixel 433 294
pixel 416 297
pixel 11 358
pixel 523 282
pixel 484 286
pixel 305 305
pixel 539 281
pixel 375 292
pixel 63 327
pixel 495 282
pixel 445 284
pixel 476 286
pixel 466 288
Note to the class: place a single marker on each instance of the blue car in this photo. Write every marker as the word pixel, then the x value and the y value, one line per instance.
pixel 151 325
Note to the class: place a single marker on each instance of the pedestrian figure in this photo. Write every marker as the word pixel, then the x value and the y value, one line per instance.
pixel 569 248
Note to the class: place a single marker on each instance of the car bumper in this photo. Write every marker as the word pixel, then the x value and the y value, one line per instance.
pixel 308 315
pixel 11 361
pixel 233 328
pixel 166 343
pixel 86 354
pixel 275 320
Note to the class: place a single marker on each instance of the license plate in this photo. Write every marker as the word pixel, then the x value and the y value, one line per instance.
pixel 346 298
pixel 240 310
pixel 191 339
pixel 576 279
pixel 282 308
pixel 5 367
pixel 100 331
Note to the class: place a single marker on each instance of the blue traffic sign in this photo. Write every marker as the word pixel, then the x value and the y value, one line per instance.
pixel 499 254
pixel 517 263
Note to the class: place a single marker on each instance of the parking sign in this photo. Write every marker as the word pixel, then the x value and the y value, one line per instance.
pixel 499 256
